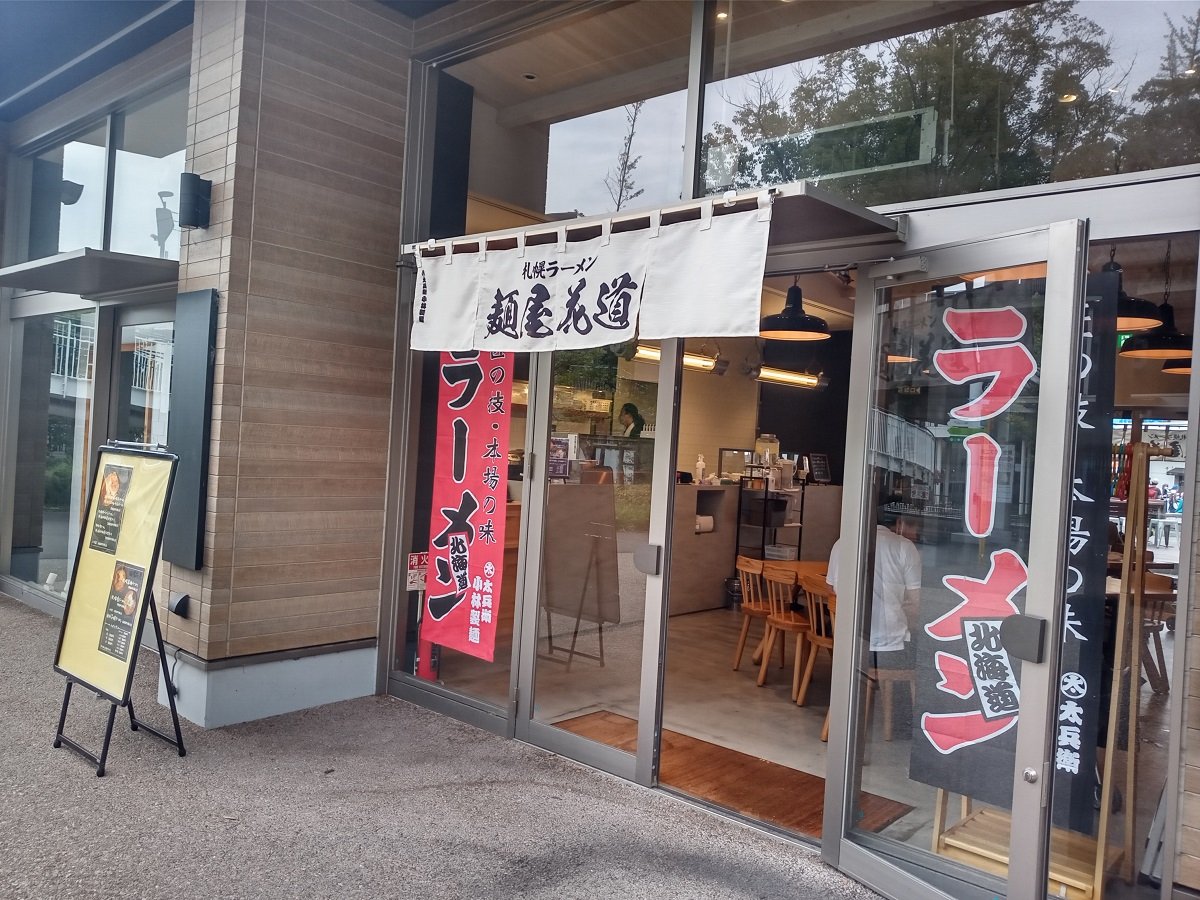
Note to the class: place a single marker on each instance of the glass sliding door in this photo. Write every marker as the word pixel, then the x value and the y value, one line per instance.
pixel 595 501
pixel 55 379
pixel 950 575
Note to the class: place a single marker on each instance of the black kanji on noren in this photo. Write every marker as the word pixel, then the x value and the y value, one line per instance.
pixel 537 309
pixel 503 317
pixel 614 302
pixel 576 316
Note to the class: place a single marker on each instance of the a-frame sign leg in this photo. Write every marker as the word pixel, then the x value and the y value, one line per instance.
pixel 134 722
pixel 61 739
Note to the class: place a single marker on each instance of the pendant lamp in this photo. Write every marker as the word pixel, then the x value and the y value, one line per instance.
pixel 1177 367
pixel 1133 313
pixel 1165 341
pixel 793 323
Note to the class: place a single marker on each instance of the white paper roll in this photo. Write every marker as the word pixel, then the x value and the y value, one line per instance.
pixel 704 524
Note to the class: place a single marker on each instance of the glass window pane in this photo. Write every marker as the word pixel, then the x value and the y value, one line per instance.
pixel 66 208
pixel 144 390
pixel 952 455
pixel 1110 731
pixel 582 120
pixel 468 674
pixel 55 378
pixel 149 148
pixel 890 109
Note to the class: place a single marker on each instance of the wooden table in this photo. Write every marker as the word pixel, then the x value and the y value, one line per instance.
pixel 1112 587
pixel 1116 560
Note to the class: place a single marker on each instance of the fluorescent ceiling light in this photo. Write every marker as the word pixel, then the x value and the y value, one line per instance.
pixel 790 378
pixel 697 361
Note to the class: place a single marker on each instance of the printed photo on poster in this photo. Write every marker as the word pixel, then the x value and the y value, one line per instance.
pixel 558 465
pixel 116 630
pixel 110 510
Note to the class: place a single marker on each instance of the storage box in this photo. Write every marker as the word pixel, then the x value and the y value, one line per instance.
pixel 780 551
pixel 776 511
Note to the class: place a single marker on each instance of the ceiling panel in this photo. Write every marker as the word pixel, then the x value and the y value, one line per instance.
pixel 48 48
pixel 586 50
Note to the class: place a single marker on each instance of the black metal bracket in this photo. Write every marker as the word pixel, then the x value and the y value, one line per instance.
pixel 135 723
pixel 1024 637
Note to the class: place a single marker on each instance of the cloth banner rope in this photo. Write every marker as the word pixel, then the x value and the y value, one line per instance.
pixel 697 278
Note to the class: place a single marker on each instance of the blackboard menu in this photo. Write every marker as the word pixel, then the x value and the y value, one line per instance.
pixel 818 468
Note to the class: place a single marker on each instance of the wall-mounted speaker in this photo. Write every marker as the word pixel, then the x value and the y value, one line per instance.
pixel 195 197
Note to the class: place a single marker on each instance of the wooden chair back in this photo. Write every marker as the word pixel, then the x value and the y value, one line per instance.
pixel 781 588
pixel 1158 604
pixel 1159 583
pixel 750 574
pixel 821 605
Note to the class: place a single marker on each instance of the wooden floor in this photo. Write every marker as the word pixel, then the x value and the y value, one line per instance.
pixel 745 784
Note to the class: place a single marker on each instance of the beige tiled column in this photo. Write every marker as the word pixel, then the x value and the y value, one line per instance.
pixel 296 114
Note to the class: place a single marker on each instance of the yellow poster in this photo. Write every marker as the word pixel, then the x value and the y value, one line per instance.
pixel 102 622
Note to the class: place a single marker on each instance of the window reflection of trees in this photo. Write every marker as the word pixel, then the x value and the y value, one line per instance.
pixel 1029 96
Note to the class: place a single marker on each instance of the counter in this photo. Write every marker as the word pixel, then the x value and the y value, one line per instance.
pixel 700 563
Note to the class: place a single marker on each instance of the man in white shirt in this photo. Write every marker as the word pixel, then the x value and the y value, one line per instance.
pixel 895 591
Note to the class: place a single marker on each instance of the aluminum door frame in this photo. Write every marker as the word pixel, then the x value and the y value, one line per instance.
pixel 1063 247
pixel 639 766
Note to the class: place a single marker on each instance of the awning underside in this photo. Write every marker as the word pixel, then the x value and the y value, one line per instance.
pixel 90 273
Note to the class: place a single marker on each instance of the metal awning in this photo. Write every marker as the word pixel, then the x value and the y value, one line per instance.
pixel 90 273
pixel 807 214
pixel 802 214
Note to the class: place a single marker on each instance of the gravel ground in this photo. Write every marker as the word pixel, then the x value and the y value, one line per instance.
pixel 369 798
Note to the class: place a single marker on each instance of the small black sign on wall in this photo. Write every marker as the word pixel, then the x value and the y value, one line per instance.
pixel 190 425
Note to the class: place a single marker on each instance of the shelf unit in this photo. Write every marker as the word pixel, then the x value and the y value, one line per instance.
pixel 762 515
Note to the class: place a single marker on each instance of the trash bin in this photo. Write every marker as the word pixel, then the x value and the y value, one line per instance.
pixel 733 591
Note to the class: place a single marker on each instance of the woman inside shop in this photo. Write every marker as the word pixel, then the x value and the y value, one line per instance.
pixel 631 420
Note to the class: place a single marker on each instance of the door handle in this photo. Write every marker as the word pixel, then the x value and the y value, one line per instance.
pixel 1024 637
pixel 648 559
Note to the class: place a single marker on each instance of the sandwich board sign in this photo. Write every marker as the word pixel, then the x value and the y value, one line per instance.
pixel 112 584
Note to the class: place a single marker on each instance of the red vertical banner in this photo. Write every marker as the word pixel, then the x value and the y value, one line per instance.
pixel 470 483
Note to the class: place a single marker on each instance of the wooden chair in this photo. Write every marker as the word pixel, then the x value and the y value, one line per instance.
pixel 781 587
pixel 754 601
pixel 821 604
pixel 1158 604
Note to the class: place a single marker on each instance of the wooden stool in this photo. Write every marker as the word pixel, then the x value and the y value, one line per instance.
pixel 887 679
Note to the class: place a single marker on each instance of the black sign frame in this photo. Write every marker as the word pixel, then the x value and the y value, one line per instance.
pixel 135 724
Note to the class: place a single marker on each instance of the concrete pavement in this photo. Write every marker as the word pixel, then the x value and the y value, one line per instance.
pixel 370 798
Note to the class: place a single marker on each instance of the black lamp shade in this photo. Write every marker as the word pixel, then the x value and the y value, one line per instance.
pixel 793 323
pixel 1135 314
pixel 1164 342
pixel 1177 367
